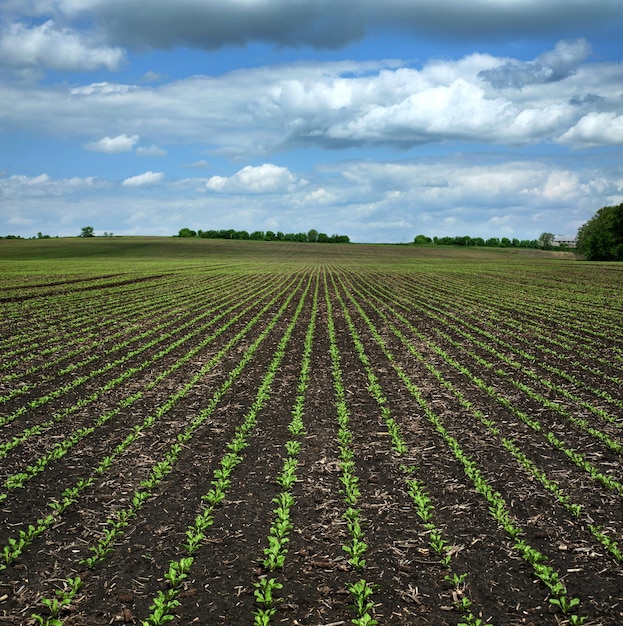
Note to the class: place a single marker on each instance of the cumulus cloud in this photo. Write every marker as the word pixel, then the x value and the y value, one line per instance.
pixel 259 111
pixel 263 179
pixel 369 201
pixel 143 180
pixel 113 145
pixel 595 129
pixel 48 46
pixel 550 66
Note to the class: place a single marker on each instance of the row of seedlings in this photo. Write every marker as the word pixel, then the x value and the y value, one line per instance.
pixel 459 326
pixel 117 524
pixel 77 309
pixel 361 591
pixel 95 338
pixel 415 488
pixel 577 458
pixel 166 601
pixel 59 450
pixel 576 334
pixel 17 544
pixel 278 536
pixel 551 485
pixel 154 360
pixel 497 505
pixel 160 333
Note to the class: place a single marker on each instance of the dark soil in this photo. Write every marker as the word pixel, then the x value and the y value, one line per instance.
pixel 410 581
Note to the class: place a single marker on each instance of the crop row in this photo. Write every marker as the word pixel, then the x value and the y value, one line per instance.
pixel 427 460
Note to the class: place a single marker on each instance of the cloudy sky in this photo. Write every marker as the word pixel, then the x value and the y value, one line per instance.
pixel 378 120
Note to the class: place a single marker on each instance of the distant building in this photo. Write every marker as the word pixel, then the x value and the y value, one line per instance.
pixel 567 240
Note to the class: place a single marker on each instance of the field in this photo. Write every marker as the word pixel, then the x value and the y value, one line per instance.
pixel 213 432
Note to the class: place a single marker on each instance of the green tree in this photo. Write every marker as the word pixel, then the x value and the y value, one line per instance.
pixel 87 231
pixel 601 238
pixel 312 235
pixel 186 232
pixel 421 239
pixel 546 240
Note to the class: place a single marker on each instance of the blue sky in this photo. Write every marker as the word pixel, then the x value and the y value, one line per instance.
pixel 376 120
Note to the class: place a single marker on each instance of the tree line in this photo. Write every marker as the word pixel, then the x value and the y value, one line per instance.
pixel 545 241
pixel 311 236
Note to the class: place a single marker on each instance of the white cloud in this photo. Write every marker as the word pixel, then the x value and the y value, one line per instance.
pixel 263 179
pixel 19 185
pixel 102 89
pixel 367 200
pixel 151 151
pixel 145 179
pixel 113 145
pixel 47 46
pixel 595 129
pixel 258 111
pixel 30 180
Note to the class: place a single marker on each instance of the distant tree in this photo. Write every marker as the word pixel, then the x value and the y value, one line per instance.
pixel 186 232
pixel 87 231
pixel 312 235
pixel 421 240
pixel 322 238
pixel 546 240
pixel 601 238
pixel 466 240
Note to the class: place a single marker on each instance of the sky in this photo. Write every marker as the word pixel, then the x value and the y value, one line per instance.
pixel 376 120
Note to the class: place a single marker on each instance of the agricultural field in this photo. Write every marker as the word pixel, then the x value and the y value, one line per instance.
pixel 212 432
